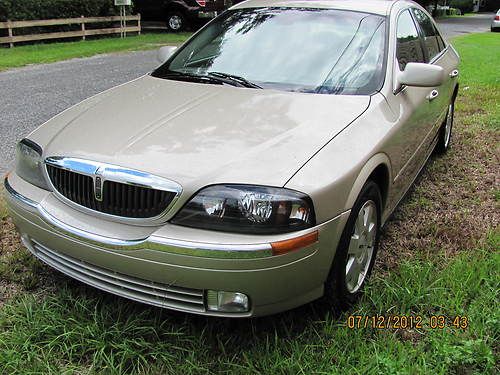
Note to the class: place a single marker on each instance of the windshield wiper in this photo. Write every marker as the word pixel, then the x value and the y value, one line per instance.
pixel 185 76
pixel 211 77
pixel 234 78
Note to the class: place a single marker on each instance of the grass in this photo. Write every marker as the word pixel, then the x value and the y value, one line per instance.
pixel 439 257
pixel 79 330
pixel 3 209
pixel 481 77
pixel 456 16
pixel 51 52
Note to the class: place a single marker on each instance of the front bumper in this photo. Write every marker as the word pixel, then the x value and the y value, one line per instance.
pixel 171 266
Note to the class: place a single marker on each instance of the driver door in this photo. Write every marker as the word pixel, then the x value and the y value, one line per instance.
pixel 413 107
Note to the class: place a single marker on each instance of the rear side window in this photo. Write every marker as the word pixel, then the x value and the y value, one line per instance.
pixel 409 47
pixel 433 42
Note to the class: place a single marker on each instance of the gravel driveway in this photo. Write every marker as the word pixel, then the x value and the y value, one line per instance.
pixel 33 94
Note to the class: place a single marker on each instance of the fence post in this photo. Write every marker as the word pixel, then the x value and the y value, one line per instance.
pixel 121 21
pixel 124 21
pixel 11 44
pixel 83 27
pixel 139 23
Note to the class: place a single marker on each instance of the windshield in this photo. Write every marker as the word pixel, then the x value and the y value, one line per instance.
pixel 305 50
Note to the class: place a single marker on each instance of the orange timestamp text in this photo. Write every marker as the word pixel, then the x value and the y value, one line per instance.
pixel 407 322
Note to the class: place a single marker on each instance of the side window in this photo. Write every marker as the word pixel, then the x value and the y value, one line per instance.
pixel 408 48
pixel 432 40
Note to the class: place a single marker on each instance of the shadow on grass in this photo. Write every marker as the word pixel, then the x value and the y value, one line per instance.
pixel 233 331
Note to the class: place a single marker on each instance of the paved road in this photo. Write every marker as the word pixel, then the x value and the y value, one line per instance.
pixel 478 23
pixel 31 95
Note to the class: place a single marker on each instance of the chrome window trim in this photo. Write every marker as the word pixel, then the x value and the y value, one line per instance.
pixel 110 172
pixel 396 70
pixel 437 56
pixel 395 67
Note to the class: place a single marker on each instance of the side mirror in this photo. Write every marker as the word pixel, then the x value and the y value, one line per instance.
pixel 164 53
pixel 421 75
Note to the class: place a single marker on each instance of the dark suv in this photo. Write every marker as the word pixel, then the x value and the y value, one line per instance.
pixel 181 14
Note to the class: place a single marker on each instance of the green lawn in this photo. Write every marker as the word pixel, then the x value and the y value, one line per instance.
pixel 439 257
pixel 3 209
pixel 51 52
pixel 456 16
pixel 481 76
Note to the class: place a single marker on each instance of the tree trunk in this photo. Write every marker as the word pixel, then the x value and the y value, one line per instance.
pixel 435 9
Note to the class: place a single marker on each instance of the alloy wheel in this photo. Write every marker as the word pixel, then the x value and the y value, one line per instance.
pixel 361 246
pixel 175 22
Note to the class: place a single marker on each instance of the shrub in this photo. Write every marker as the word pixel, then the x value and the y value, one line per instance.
pixel 465 6
pixel 16 10
pixel 448 12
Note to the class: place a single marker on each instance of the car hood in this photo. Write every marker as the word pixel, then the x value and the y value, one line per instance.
pixel 199 134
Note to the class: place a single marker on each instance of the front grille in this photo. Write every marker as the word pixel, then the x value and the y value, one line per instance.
pixel 117 198
pixel 145 291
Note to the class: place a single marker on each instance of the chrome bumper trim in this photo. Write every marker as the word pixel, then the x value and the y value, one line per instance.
pixel 182 247
pixel 80 234
pixel 14 194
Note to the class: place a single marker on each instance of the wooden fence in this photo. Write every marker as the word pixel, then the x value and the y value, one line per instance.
pixel 82 33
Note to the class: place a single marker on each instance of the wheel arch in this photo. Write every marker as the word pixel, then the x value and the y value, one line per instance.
pixel 174 6
pixel 377 169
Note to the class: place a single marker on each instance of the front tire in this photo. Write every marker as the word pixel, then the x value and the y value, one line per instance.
pixel 357 249
pixel 444 137
pixel 176 22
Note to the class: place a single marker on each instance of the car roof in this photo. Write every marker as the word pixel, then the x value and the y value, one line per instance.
pixel 381 7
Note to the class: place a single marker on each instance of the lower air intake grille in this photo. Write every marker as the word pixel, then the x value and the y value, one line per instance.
pixel 117 198
pixel 145 291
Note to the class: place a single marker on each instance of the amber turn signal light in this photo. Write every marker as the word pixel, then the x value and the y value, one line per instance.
pixel 283 247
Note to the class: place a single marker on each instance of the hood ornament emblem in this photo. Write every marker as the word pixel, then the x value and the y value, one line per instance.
pixel 98 184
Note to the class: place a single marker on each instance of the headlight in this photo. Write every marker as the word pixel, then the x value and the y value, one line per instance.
pixel 29 163
pixel 247 209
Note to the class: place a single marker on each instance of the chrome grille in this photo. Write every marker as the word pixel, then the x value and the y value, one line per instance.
pixel 118 199
pixel 157 294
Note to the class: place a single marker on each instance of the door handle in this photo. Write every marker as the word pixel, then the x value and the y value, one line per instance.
pixel 433 95
pixel 454 73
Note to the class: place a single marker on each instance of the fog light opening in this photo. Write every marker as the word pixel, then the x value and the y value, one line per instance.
pixel 218 300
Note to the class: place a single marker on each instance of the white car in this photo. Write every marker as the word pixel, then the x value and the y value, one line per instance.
pixel 495 24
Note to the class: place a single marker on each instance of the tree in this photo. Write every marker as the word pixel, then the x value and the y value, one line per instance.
pixel 426 3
